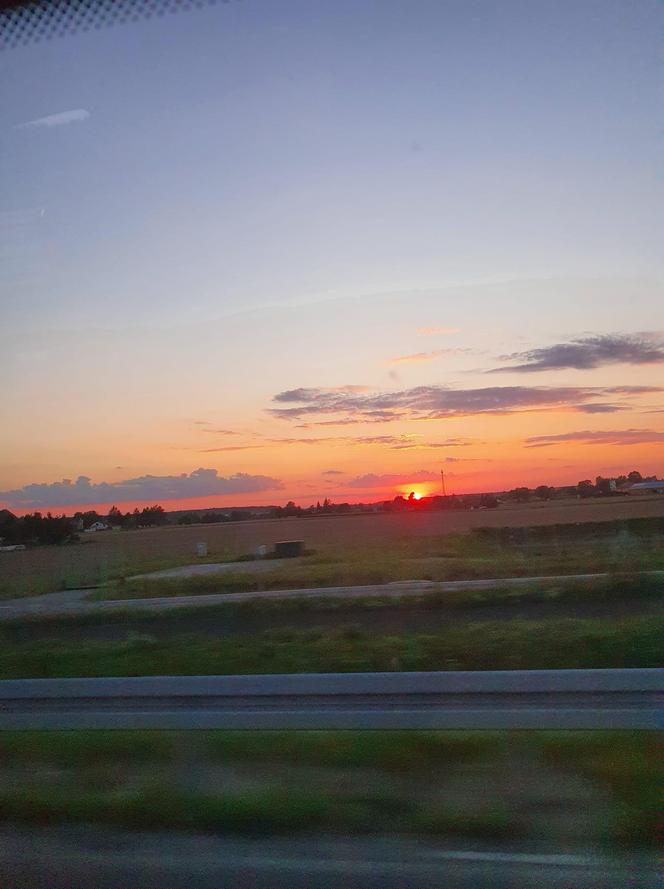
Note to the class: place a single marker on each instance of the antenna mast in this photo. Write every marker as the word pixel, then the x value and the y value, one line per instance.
pixel 442 481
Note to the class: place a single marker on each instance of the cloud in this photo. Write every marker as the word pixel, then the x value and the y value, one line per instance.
pixel 601 408
pixel 397 442
pixel 589 352
pixel 220 431
pixel 61 119
pixel 388 481
pixel 304 394
pixel 441 402
pixel 333 472
pixel 432 445
pixel 420 357
pixel 199 483
pixel 610 437
pixel 229 448
pixel 417 357
pixel 437 331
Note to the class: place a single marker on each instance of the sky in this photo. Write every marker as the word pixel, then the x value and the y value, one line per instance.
pixel 263 251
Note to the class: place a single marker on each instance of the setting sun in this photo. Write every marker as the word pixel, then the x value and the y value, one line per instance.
pixel 409 491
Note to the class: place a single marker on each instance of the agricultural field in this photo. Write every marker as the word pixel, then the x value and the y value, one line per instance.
pixel 548 790
pixel 610 621
pixel 347 548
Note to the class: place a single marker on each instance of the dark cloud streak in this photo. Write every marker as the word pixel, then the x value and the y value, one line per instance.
pixel 441 402
pixel 587 353
pixel 610 437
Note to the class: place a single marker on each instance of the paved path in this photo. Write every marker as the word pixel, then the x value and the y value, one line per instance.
pixel 87 857
pixel 201 570
pixel 75 601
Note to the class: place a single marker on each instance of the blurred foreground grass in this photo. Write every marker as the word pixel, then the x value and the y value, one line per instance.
pixel 493 785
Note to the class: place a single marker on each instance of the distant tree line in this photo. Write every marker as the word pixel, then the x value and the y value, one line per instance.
pixel 601 487
pixel 147 517
pixel 34 529
pixel 324 508
pixel 213 517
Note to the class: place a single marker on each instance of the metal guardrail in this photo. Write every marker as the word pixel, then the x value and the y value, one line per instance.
pixel 506 699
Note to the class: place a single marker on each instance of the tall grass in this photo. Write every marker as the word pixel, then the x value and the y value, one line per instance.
pixel 499 645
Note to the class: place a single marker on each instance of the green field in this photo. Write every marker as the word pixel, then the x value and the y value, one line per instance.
pixel 567 789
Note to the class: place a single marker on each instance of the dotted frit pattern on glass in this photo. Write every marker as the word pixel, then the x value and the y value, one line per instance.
pixel 22 24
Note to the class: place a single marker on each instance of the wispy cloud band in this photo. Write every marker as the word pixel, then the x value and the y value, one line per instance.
pixel 61 119
pixel 608 437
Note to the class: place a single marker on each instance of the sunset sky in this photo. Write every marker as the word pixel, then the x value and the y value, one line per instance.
pixel 296 249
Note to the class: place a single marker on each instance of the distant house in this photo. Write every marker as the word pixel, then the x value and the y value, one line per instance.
pixel 99 526
pixel 653 487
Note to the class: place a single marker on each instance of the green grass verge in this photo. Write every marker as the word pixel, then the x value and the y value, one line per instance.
pixel 499 645
pixel 390 751
pixel 619 588
pixel 84 747
pixel 92 777
pixel 601 589
pixel 271 812
pixel 322 576
pixel 634 773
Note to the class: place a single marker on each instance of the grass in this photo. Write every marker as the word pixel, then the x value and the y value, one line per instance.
pixel 386 782
pixel 633 772
pixel 155 805
pixel 496 823
pixel 500 645
pixel 373 569
pixel 84 747
pixel 391 751
pixel 615 586
pixel 274 811
pixel 626 589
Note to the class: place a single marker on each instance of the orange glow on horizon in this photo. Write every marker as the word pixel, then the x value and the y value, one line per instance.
pixel 416 490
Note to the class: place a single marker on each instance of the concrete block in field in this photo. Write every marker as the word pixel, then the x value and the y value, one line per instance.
pixel 201 549
pixel 288 549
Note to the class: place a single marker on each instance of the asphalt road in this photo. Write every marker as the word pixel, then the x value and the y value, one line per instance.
pixel 75 601
pixel 82 857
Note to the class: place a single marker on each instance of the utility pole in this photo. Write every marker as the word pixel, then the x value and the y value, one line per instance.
pixel 442 481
